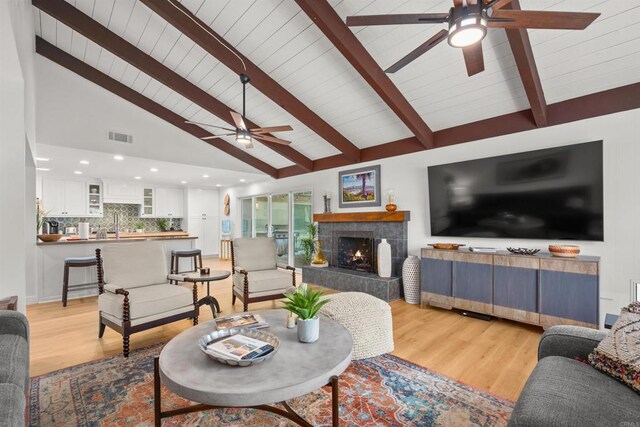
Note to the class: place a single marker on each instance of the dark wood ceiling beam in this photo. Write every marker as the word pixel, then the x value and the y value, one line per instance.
pixel 526 63
pixel 187 23
pixel 75 19
pixel 82 69
pixel 585 107
pixel 330 23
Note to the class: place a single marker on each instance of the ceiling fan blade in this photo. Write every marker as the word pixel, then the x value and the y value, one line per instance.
pixel 238 120
pixel 271 139
pixel 204 124
pixel 473 58
pixel 417 52
pixel 543 19
pixel 283 128
pixel 217 136
pixel 412 18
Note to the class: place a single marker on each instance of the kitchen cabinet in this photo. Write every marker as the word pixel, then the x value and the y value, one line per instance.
pixel 62 198
pixel 147 209
pixel 169 202
pixel 207 231
pixel 121 192
pixel 202 202
pixel 94 200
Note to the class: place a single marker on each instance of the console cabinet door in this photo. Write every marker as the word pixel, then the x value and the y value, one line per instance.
pixel 437 277
pixel 569 293
pixel 515 288
pixel 473 282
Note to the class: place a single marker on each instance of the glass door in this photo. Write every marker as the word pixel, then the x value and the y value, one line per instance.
pixel 280 225
pixel 302 208
pixel 261 219
pixel 247 217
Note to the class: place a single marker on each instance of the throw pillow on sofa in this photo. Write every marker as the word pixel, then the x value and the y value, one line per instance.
pixel 618 355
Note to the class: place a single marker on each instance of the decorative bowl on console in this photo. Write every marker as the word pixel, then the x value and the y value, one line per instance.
pixel 448 246
pixel 523 251
pixel 48 238
pixel 564 251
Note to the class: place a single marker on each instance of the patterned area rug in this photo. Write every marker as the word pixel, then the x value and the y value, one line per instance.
pixel 381 391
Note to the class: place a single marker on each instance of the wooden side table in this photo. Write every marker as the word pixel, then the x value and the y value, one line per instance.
pixel 10 303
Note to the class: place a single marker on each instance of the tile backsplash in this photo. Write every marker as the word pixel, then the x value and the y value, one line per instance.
pixel 129 216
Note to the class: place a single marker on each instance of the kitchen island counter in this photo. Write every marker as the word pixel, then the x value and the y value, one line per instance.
pixel 124 237
pixel 51 256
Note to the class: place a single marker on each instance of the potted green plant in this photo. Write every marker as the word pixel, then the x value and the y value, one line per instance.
pixel 139 227
pixel 308 243
pixel 163 224
pixel 305 303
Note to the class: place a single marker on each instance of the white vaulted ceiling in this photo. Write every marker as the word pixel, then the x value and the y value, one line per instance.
pixel 282 40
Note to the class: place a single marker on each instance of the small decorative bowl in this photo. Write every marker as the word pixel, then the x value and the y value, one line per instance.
pixel 252 333
pixel 50 237
pixel 449 246
pixel 564 251
pixel 523 251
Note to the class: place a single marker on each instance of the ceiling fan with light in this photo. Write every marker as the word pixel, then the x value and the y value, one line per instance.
pixel 467 24
pixel 244 135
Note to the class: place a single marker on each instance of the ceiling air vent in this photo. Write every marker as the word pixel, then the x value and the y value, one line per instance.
pixel 120 137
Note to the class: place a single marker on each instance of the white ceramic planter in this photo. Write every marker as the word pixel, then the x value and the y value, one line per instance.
pixel 384 259
pixel 309 329
pixel 411 279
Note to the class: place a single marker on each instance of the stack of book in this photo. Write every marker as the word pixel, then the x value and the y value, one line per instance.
pixel 244 320
pixel 240 347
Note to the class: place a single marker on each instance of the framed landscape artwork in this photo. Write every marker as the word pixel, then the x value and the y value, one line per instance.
pixel 360 187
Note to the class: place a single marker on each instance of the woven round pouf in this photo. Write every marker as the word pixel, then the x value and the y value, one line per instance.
pixel 411 279
pixel 367 318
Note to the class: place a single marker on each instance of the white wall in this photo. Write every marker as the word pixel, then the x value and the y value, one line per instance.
pixel 17 138
pixel 407 175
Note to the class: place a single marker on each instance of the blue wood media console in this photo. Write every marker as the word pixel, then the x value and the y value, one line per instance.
pixel 539 289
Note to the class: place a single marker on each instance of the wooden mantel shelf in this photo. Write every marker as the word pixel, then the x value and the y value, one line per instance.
pixel 381 216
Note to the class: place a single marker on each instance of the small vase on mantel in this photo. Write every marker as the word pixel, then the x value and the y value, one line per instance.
pixel 384 259
pixel 319 260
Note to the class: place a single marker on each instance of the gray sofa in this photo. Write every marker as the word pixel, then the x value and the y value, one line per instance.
pixel 14 367
pixel 563 391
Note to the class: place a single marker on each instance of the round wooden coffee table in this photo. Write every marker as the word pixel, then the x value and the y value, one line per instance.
pixel 296 369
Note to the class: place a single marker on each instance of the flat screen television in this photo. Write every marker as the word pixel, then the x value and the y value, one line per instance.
pixel 551 194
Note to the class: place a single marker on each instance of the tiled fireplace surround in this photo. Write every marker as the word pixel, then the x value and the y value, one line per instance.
pixel 345 280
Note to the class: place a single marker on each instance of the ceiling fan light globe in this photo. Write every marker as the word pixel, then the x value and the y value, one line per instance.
pixel 243 138
pixel 466 32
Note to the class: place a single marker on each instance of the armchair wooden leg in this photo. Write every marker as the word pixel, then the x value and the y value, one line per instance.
pixel 101 328
pixel 233 298
pixel 245 306
pixel 125 345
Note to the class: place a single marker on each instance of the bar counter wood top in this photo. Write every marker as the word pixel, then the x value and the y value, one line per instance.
pixel 124 237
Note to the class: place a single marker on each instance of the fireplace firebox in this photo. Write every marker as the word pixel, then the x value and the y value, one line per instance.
pixel 356 253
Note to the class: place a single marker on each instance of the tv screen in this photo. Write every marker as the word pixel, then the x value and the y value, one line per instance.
pixel 552 194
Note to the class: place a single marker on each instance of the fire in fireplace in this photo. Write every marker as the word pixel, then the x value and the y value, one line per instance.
pixel 356 253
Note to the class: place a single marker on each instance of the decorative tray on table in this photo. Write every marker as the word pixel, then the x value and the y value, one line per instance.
pixel 230 351
pixel 523 251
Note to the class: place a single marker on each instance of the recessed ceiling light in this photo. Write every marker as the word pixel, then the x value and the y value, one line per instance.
pixel 42 159
pixel 43 169
pixel 118 157
pixel 84 162
pixel 243 180
pixel 218 185
pixel 137 177
pixel 154 169
pixel 183 182
pixel 205 176
pixel 78 172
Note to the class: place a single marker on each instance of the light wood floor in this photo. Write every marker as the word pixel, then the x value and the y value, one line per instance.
pixel 495 356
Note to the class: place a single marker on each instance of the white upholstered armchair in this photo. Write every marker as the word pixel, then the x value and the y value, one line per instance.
pixel 256 273
pixel 135 293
